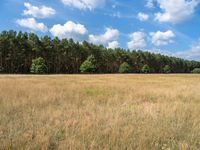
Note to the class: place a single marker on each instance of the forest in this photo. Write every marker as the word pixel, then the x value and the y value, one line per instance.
pixel 25 53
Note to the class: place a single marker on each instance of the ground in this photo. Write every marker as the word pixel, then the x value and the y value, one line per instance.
pixel 139 112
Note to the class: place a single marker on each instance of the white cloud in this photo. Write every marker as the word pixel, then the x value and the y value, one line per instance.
pixel 162 38
pixel 78 32
pixel 110 35
pixel 116 14
pixel 84 4
pixel 38 12
pixel 193 53
pixel 32 24
pixel 113 45
pixel 149 4
pixel 137 41
pixel 142 16
pixel 119 15
pixel 175 11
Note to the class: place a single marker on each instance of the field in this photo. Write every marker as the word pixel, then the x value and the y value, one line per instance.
pixel 133 112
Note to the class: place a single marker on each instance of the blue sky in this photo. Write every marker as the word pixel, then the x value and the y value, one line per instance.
pixel 166 26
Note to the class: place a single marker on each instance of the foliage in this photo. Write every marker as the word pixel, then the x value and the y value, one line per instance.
pixel 38 66
pixel 146 69
pixel 167 69
pixel 196 70
pixel 17 50
pixel 124 68
pixel 89 65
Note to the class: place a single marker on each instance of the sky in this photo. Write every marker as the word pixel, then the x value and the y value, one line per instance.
pixel 170 27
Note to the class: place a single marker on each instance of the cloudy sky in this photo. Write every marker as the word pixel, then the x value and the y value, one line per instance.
pixel 166 26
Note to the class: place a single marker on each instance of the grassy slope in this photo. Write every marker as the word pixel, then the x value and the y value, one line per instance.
pixel 141 112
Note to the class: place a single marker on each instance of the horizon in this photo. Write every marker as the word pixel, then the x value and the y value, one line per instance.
pixel 153 25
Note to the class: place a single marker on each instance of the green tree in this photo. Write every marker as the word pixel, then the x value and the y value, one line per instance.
pixel 196 70
pixel 167 69
pixel 124 68
pixel 146 69
pixel 17 50
pixel 89 65
pixel 38 66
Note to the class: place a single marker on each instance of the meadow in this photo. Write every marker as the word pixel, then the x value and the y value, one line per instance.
pixel 104 112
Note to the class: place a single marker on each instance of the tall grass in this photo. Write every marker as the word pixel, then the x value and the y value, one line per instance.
pixel 136 112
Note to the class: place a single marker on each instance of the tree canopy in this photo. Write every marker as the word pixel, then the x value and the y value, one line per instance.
pixel 38 66
pixel 167 69
pixel 18 49
pixel 196 70
pixel 124 68
pixel 146 69
pixel 89 65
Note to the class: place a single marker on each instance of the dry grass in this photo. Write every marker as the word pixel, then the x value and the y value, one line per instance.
pixel 134 112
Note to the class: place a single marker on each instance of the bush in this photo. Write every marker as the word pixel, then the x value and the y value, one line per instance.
pixel 38 66
pixel 167 69
pixel 89 65
pixel 196 70
pixel 146 69
pixel 124 68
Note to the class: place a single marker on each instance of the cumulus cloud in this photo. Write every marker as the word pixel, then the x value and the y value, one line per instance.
pixel 175 11
pixel 137 41
pixel 142 16
pixel 110 35
pixel 113 44
pixel 32 24
pixel 84 4
pixel 76 31
pixel 38 12
pixel 149 4
pixel 193 53
pixel 162 38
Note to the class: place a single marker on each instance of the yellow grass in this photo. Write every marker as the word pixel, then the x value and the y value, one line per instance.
pixel 134 112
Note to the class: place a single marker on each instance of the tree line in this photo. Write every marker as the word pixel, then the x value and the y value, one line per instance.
pixel 25 53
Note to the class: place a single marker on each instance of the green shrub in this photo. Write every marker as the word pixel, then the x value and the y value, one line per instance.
pixel 146 69
pixel 38 66
pixel 89 65
pixel 196 70
pixel 124 68
pixel 167 69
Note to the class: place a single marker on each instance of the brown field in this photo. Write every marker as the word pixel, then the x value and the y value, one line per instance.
pixel 105 112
